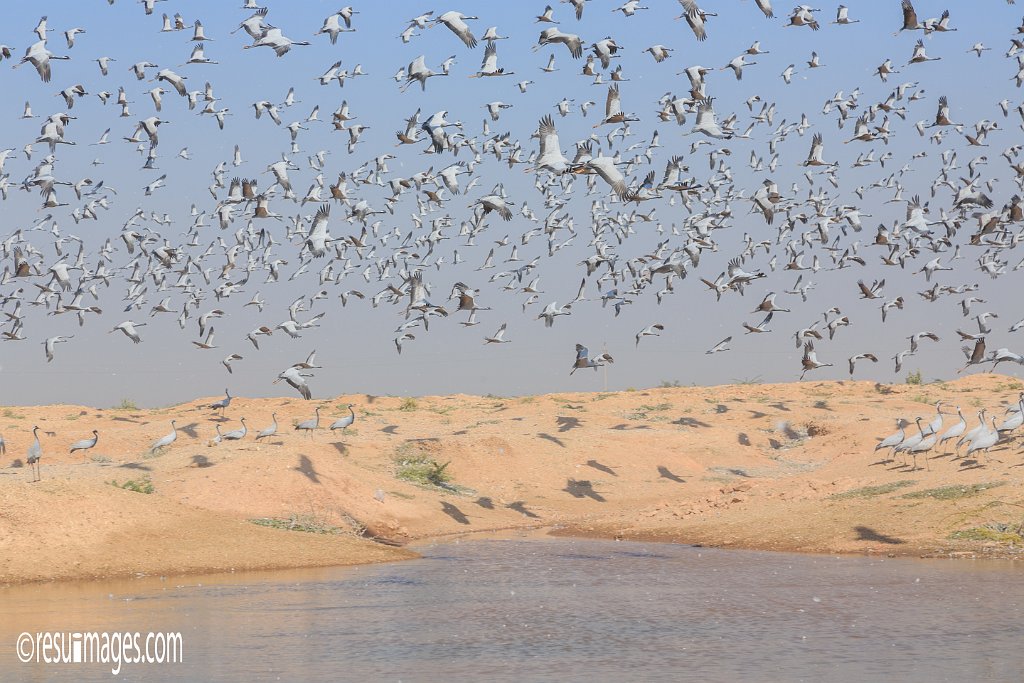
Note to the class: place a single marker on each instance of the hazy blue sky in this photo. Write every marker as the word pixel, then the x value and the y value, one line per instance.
pixel 355 343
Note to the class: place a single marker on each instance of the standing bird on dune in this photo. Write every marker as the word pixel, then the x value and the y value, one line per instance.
pixel 35 453
pixel 309 426
pixel 165 441
pixel 85 444
pixel 345 422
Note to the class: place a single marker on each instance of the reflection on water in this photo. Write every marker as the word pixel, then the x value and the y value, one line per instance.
pixel 566 610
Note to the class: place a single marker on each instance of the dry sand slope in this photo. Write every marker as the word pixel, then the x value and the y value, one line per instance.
pixel 785 467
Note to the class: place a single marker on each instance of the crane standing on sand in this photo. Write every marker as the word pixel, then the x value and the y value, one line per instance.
pixel 35 453
pixel 309 426
pixel 345 422
pixel 166 440
pixel 85 444
pixel 222 404
pixel 269 431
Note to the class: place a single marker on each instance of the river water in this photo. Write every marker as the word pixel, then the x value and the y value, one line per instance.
pixel 555 610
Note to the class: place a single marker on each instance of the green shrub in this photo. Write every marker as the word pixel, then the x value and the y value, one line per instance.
pixel 143 485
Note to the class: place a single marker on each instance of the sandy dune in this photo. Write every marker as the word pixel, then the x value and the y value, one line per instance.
pixel 756 466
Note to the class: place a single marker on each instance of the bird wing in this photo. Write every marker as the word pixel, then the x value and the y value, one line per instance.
pixel 613 105
pixel 581 355
pixel 605 168
pixel 490 63
pixel 909 15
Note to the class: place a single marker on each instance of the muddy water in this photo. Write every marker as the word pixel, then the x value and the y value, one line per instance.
pixel 561 610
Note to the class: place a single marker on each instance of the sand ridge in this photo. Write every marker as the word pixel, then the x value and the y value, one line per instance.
pixel 783 467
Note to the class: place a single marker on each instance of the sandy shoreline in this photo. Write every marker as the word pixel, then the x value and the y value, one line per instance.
pixel 772 467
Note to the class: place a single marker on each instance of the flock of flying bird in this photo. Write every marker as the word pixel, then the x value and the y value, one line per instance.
pixel 398 228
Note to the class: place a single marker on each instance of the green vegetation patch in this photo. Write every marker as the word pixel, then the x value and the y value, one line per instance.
pixel 310 524
pixel 414 465
pixel 1000 533
pixel 872 491
pixel 954 491
pixel 144 485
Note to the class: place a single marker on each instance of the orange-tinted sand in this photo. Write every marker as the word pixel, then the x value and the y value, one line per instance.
pixel 745 466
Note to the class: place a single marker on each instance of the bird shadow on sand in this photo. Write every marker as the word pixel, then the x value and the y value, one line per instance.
pixel 582 489
pixel 454 512
pixel 667 474
pixel 135 466
pixel 721 408
pixel 306 468
pixel 865 533
pixel 601 468
pixel 971 465
pixel 390 429
pixel 220 418
pixel 520 507
pixel 549 437
pixel 485 502
pixel 190 430
pixel 689 422
pixel 125 419
pixel 340 447
pixel 734 471
pixel 743 439
pixel 757 414
pixel 779 406
pixel 201 461
pixel 567 423
pixel 625 427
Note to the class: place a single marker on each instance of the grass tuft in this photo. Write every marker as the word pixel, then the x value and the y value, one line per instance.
pixel 416 467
